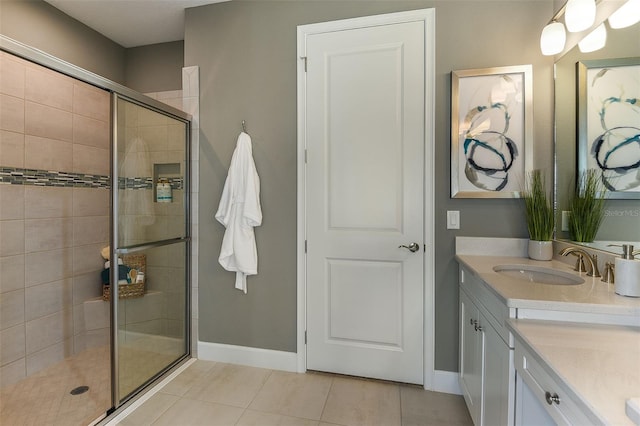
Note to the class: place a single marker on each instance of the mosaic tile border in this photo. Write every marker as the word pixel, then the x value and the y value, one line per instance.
pixel 20 176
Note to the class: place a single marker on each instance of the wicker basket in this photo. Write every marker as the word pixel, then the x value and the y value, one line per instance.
pixel 128 291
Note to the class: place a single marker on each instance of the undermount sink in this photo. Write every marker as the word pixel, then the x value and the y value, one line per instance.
pixel 538 274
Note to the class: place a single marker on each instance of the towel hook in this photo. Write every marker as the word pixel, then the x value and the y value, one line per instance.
pixel 244 126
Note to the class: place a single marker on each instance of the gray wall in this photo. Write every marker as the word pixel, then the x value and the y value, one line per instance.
pixel 155 68
pixel 246 51
pixel 40 25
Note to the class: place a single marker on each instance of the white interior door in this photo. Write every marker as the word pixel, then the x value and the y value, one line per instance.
pixel 365 142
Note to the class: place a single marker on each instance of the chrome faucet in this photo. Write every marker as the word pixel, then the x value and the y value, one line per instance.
pixel 593 260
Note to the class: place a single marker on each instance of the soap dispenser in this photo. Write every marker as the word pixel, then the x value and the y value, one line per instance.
pixel 627 281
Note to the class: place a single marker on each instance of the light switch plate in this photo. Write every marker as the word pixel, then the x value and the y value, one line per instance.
pixel 565 220
pixel 453 219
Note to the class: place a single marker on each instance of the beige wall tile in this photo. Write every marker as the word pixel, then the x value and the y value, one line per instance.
pixel 12 115
pixel 147 117
pixel 47 299
pixel 91 230
pixel 48 154
pixel 90 201
pixel 12 373
pixel 155 137
pixel 11 202
pixel 95 339
pixel 47 266
pixel 12 344
pixel 48 234
pixel 89 131
pixel 96 314
pixel 11 273
pixel 11 76
pixel 91 102
pixel 47 202
pixel 48 87
pixel 11 237
pixel 49 330
pixel 86 287
pixel 48 122
pixel 48 356
pixel 91 160
pixel 11 309
pixel 87 259
pixel 11 149
pixel 143 309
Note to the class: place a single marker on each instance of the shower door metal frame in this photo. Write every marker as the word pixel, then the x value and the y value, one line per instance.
pixel 40 57
pixel 115 250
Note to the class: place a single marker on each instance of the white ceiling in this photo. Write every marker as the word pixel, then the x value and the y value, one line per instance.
pixel 132 23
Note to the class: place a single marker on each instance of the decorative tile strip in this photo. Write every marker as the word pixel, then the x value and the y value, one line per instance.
pixel 20 176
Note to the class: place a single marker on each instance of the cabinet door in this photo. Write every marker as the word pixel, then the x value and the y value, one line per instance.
pixel 498 379
pixel 471 357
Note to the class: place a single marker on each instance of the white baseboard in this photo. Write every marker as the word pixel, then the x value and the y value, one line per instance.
pixel 254 357
pixel 446 382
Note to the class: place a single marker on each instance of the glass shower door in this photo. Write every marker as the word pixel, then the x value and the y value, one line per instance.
pixel 151 240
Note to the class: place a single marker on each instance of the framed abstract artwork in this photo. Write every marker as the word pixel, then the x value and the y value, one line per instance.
pixel 491 131
pixel 609 124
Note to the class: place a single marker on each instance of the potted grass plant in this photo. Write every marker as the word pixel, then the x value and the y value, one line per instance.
pixel 540 216
pixel 587 207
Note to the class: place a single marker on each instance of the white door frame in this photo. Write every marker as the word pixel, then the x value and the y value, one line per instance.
pixel 428 17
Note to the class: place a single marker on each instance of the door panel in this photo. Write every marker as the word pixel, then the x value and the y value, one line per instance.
pixel 365 198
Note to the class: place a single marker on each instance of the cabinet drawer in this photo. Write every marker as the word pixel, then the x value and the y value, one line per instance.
pixel 556 399
pixel 495 311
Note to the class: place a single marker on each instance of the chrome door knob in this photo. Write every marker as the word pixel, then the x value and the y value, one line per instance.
pixel 413 247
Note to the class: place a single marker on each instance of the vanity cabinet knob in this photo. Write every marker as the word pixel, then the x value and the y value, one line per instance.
pixel 551 398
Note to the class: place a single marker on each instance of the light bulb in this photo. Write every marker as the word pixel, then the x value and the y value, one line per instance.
pixel 595 40
pixel 627 15
pixel 552 39
pixel 579 15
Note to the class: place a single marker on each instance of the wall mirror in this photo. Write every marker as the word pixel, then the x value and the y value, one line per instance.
pixel 621 223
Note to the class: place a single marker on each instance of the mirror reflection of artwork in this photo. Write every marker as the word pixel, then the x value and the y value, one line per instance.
pixel 613 126
pixel 488 150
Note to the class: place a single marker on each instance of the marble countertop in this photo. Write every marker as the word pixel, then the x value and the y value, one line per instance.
pixel 610 355
pixel 591 297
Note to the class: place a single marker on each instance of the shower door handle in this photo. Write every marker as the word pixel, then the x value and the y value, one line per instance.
pixel 413 247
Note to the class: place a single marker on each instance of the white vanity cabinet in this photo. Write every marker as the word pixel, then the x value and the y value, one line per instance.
pixel 486 359
pixel 543 400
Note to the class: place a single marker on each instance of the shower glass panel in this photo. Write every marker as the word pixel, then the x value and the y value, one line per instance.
pixel 152 240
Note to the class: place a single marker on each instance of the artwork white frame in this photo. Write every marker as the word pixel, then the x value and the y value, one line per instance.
pixel 491 131
pixel 609 124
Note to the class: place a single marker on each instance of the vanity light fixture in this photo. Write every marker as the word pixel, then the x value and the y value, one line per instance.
pixel 595 40
pixel 579 15
pixel 628 14
pixel 553 38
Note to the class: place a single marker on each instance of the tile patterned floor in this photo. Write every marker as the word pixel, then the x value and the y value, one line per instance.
pixel 216 394
pixel 44 398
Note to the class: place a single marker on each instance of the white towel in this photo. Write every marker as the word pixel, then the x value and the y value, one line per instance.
pixel 239 211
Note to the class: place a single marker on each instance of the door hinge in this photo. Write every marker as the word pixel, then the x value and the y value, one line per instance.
pixel 304 58
pixel 305 337
pixel 305 246
pixel 305 156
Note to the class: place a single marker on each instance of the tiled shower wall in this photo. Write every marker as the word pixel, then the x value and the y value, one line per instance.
pixel 54 214
pixel 188 100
